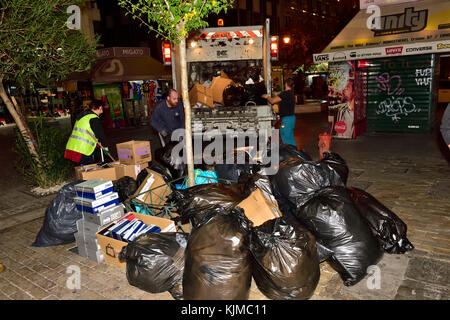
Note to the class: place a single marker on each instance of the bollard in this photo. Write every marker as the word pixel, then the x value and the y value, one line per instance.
pixel 324 143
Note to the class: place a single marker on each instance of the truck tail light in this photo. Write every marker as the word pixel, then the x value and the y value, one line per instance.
pixel 167 53
pixel 274 48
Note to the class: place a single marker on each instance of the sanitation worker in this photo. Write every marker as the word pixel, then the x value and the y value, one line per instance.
pixel 87 135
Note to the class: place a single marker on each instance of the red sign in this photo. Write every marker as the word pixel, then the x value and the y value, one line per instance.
pixel 340 127
pixel 394 50
pixel 117 112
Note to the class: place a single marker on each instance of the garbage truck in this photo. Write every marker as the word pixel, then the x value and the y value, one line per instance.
pixel 227 59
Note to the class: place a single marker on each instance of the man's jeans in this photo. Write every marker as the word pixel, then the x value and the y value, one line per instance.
pixel 287 130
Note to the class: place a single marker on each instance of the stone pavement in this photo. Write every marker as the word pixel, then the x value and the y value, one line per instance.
pixel 406 172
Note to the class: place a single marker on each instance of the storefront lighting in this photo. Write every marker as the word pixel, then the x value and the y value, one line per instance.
pixel 286 40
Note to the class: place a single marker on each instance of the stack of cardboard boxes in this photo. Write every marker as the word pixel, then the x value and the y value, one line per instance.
pixel 134 156
pixel 99 205
pixel 208 95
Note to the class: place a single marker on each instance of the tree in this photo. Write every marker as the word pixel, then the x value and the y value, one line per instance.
pixel 36 46
pixel 174 20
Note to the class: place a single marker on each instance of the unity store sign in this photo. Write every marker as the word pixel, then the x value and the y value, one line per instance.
pixel 384 30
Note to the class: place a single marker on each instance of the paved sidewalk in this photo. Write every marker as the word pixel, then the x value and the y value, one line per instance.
pixel 407 173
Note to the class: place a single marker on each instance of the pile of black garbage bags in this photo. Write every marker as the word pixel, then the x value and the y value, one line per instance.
pixel 248 87
pixel 323 220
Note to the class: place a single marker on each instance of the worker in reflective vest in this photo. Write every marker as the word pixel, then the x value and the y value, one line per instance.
pixel 87 135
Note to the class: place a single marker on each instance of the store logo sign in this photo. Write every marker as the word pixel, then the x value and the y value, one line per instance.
pixel 322 57
pixel 340 127
pixel 427 48
pixel 441 46
pixel 408 21
pixel 394 50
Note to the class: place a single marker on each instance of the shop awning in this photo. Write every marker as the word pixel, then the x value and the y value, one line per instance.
pixel 404 29
pixel 124 64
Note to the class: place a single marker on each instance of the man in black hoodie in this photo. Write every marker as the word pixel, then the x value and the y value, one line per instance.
pixel 86 135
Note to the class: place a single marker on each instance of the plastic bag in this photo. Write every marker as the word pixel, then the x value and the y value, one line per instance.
pixel 234 95
pixel 335 222
pixel 232 171
pixel 193 203
pixel 250 72
pixel 202 177
pixel 175 164
pixel 387 227
pixel 285 262
pixel 297 180
pixel 288 151
pixel 125 187
pixel 61 216
pixel 155 262
pixel 218 262
pixel 255 91
pixel 336 163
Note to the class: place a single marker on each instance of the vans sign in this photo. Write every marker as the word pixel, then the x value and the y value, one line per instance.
pixel 321 57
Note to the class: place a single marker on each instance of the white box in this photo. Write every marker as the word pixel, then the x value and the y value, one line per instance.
pixel 105 217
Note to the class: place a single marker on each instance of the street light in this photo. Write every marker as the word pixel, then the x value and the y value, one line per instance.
pixel 286 39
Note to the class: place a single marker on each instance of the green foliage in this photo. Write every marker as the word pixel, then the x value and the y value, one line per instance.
pixel 174 19
pixel 36 44
pixel 52 168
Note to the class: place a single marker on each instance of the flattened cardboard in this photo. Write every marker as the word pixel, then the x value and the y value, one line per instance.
pixel 153 190
pixel 260 207
pixel 218 84
pixel 95 172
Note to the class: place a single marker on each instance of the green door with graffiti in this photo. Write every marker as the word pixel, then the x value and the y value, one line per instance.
pixel 399 96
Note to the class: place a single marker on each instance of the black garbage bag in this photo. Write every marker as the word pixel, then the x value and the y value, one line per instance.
pixel 285 263
pixel 336 163
pixel 255 92
pixel 155 262
pixel 335 222
pixel 125 187
pixel 232 171
pixel 256 181
pixel 193 203
pixel 217 259
pixel 61 216
pixel 297 180
pixel 387 227
pixel 288 151
pixel 164 172
pixel 174 163
pixel 234 95
pixel 243 75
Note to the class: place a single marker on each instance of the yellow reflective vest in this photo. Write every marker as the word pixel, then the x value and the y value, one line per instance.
pixel 83 139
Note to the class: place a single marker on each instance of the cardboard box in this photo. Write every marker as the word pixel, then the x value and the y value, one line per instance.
pixel 130 170
pixel 218 84
pixel 260 207
pixel 97 206
pixel 202 94
pixel 106 216
pixel 134 152
pixel 112 247
pixel 94 189
pixel 153 190
pixel 95 172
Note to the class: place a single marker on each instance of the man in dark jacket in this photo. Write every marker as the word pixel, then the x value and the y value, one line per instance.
pixel 168 116
pixel 86 135
pixel 445 126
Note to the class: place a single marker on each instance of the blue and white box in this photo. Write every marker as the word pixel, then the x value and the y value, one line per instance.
pixel 94 189
pixel 97 206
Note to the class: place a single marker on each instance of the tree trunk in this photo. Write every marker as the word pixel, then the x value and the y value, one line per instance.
pixel 21 125
pixel 187 113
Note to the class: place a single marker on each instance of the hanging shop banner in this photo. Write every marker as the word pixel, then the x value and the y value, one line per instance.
pixel 405 29
pixel 341 97
pixel 114 98
pixel 399 97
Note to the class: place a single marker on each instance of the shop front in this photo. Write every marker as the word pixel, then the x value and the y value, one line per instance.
pixel 386 78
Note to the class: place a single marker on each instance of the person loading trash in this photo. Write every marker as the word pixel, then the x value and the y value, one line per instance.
pixel 286 101
pixel 86 135
pixel 168 116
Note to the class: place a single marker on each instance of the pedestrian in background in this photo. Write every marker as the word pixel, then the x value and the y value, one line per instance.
pixel 286 102
pixel 86 135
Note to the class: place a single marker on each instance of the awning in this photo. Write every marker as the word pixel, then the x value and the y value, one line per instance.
pixel 123 64
pixel 403 29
